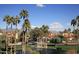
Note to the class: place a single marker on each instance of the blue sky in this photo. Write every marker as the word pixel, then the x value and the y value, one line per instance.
pixel 54 15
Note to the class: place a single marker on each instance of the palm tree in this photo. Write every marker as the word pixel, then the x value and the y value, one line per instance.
pixel 24 14
pixel 77 20
pixel 45 28
pixel 11 21
pixel 7 20
pixel 26 26
pixel 16 21
pixel 73 23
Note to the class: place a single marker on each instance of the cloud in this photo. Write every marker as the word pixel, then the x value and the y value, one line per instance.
pixel 56 26
pixel 33 26
pixel 40 5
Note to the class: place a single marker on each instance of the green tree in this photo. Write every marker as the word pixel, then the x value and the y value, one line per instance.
pixel 73 23
pixel 26 25
pixel 35 33
pixel 45 28
pixel 77 22
pixel 7 19
pixel 24 14
pixel 16 21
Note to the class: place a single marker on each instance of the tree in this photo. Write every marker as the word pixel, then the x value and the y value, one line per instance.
pixel 24 14
pixel 26 26
pixel 35 33
pixel 77 22
pixel 45 28
pixel 73 23
pixel 16 21
pixel 69 30
pixel 7 19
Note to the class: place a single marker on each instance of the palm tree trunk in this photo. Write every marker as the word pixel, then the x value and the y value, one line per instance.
pixel 11 49
pixel 15 40
pixel 6 39
pixel 11 40
pixel 25 36
pixel 73 28
pixel 23 43
pixel 23 48
pixel 11 26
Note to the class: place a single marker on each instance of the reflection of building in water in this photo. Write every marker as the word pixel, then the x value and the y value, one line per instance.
pixel 42 42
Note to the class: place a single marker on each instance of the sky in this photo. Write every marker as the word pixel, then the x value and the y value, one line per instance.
pixel 56 16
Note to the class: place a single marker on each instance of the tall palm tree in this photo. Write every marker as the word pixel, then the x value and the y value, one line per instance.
pixel 7 20
pixel 24 16
pixel 16 21
pixel 26 25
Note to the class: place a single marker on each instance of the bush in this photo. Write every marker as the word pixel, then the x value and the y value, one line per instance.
pixel 56 40
pixel 52 41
